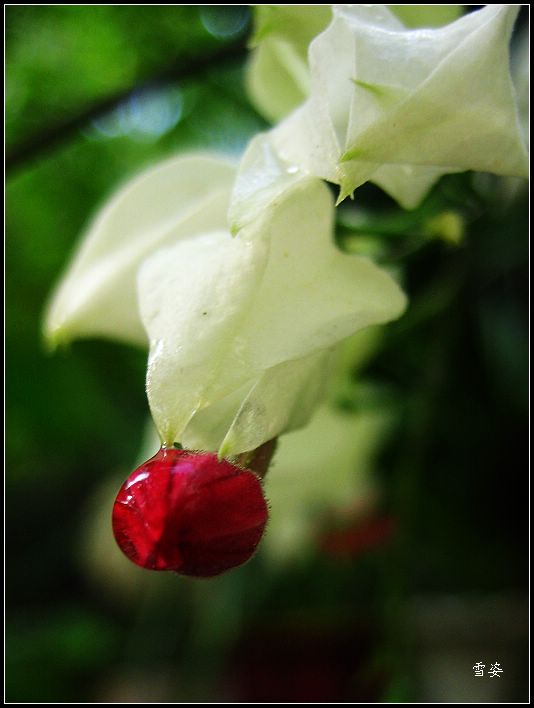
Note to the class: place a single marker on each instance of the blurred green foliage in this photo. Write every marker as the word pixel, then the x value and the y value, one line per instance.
pixel 454 369
pixel 62 59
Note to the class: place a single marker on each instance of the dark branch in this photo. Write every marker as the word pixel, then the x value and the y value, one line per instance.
pixel 179 71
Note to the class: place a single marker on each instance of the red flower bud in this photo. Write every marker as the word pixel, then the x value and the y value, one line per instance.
pixel 190 513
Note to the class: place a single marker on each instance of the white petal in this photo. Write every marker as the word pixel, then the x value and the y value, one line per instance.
pixel 385 98
pixel 311 294
pixel 192 298
pixel 315 136
pixel 97 296
pixel 277 76
pixel 283 399
pixel 405 183
pixel 461 112
pixel 521 78
pixel 229 313
pixel 324 468
pixel 261 179
pixel 306 139
pixel 208 427
pixel 408 184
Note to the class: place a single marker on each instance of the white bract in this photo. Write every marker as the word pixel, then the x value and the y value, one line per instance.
pixel 278 79
pixel 97 296
pixel 239 328
pixel 278 75
pixel 324 469
pixel 403 106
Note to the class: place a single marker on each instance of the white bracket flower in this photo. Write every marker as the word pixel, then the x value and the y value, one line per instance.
pixel 239 328
pixel 178 199
pixel 278 79
pixel 403 106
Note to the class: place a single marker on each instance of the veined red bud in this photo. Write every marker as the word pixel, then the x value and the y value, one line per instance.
pixel 190 513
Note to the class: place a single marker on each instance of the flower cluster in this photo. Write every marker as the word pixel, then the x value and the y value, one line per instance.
pixel 230 273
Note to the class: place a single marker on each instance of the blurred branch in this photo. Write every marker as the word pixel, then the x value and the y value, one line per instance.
pixel 180 70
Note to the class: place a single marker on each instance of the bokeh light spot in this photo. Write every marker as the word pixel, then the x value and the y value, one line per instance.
pixel 225 22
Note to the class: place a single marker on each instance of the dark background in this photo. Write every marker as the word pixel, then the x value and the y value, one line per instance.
pixel 94 94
